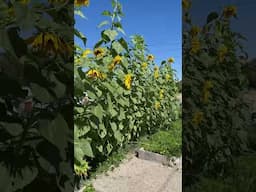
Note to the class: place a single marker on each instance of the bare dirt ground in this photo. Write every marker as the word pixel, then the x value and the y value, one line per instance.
pixel 137 175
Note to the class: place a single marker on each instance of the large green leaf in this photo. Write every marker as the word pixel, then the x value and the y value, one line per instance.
pixel 98 111
pixel 56 132
pixel 110 34
pixel 13 183
pixel 41 93
pixel 13 129
pixel 83 148
pixel 117 47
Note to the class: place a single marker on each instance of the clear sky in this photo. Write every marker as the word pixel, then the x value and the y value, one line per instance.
pixel 159 22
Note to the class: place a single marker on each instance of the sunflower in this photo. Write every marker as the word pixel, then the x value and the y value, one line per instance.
pixel 157 105
pixel 144 65
pixel 80 3
pixel 128 81
pixel 197 118
pixel 195 45
pixel 229 11
pixel 171 60
pixel 99 52
pixel 151 57
pixel 86 52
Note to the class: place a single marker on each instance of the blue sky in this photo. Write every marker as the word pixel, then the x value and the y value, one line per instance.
pixel 159 22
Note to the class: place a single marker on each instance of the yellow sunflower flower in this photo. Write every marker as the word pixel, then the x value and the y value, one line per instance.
pixel 161 93
pixel 86 52
pixel 222 52
pixel 229 11
pixel 128 81
pixel 171 60
pixel 197 118
pixel 82 3
pixel 52 40
pixel 208 84
pixel 195 45
pixel 99 52
pixel 93 73
pixel 144 65
pixel 194 31
pixel 156 72
pixel 168 77
pixel 206 93
pixel 115 61
pixel 151 57
pixel 186 4
pixel 157 105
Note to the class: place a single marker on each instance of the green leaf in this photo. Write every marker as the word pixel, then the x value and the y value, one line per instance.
pixel 109 148
pixel 83 149
pixel 60 88
pixel 100 148
pixel 212 16
pixel 80 13
pixel 103 23
pixel 91 95
pixel 113 126
pixel 121 30
pixel 19 181
pixel 5 42
pixel 81 36
pixel 98 111
pixel 56 132
pixel 41 93
pixel 25 17
pixel 102 130
pixel 118 135
pixel 123 43
pixel 14 129
pixel 110 34
pixel 98 44
pixel 106 13
pixel 117 47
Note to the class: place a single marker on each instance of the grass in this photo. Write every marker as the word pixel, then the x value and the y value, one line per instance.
pixel 164 142
pixel 89 188
pixel 242 178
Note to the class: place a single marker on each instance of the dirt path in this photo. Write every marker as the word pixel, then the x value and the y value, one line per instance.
pixel 137 175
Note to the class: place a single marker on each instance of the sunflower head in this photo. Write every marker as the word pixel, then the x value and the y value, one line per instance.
pixel 86 52
pixel 128 81
pixel 144 65
pixel 99 52
pixel 151 57
pixel 197 118
pixel 157 105
pixel 229 11
pixel 80 3
pixel 194 31
pixel 171 60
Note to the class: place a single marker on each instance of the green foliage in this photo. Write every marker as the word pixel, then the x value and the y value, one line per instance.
pixel 36 76
pixel 241 178
pixel 214 116
pixel 89 188
pixel 167 142
pixel 126 95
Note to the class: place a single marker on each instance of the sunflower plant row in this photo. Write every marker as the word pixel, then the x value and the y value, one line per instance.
pixel 215 131
pixel 121 92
